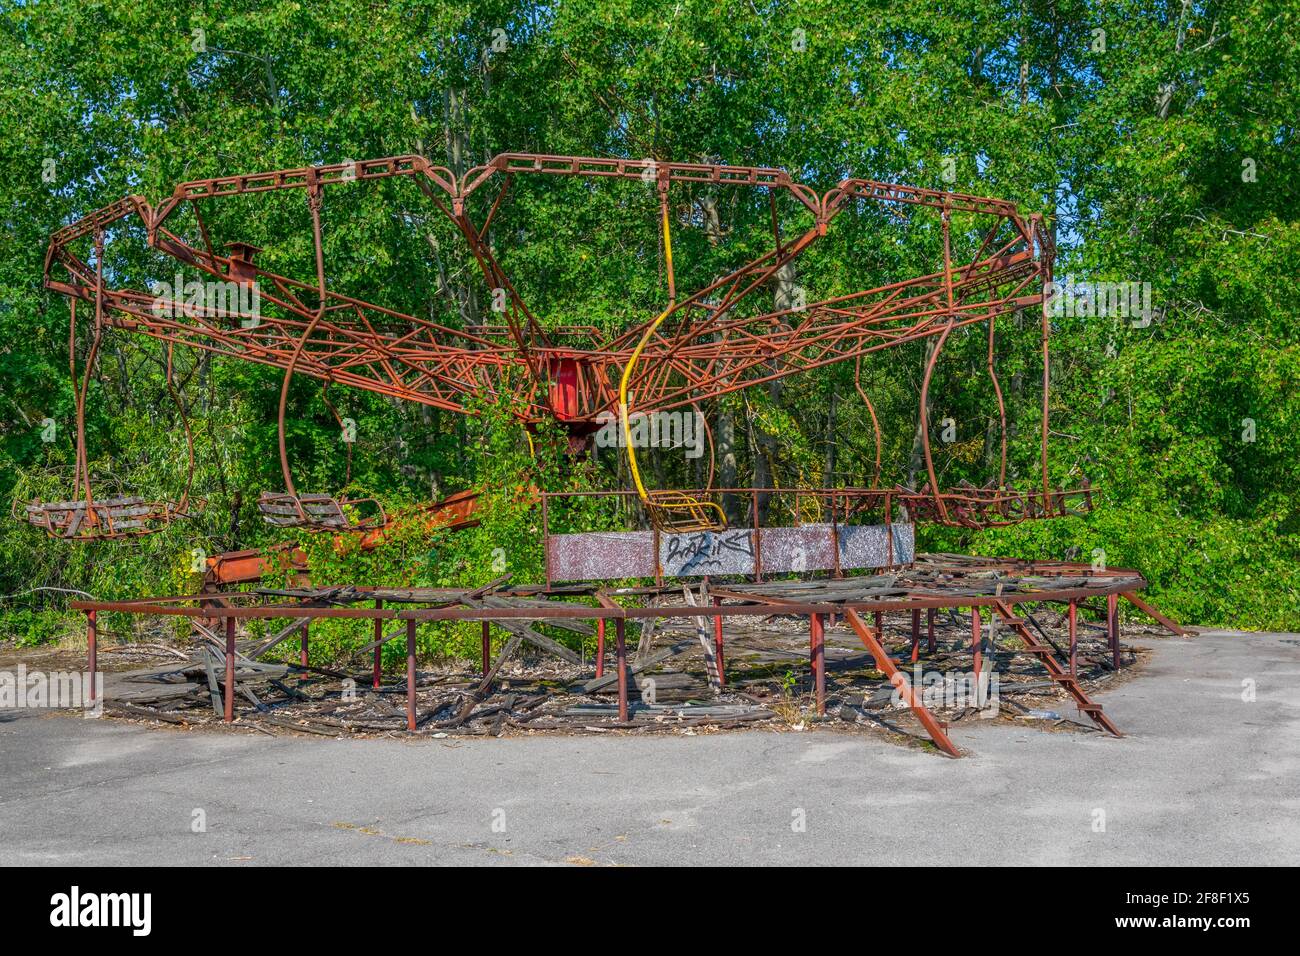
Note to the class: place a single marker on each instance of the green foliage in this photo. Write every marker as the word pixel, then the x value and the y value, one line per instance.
pixel 1138 147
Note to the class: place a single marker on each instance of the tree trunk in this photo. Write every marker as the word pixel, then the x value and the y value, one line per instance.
pixel 1166 97
pixel 828 472
pixel 724 436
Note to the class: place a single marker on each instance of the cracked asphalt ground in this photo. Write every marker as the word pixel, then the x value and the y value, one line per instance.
pixel 1203 777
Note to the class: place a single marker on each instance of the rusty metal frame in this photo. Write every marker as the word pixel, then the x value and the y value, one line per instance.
pixel 91 518
pixel 706 350
pixel 945 581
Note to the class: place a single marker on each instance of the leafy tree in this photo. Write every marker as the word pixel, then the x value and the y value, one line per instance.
pixel 1159 136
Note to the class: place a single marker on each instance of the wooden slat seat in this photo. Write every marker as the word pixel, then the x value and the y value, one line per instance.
pixel 319 512
pixel 116 517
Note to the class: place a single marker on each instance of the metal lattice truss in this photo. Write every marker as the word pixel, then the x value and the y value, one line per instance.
pixel 706 347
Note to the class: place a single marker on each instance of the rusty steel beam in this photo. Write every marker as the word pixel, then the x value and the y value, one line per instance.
pixel 718 647
pixel 1072 615
pixel 378 664
pixel 764 606
pixel 620 648
pixel 1168 623
pixel 817 656
pixel 92 649
pixel 1112 628
pixel 1068 681
pixel 909 694
pixel 410 674
pixel 230 670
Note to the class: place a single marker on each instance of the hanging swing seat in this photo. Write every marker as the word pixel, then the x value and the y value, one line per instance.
pixel 119 517
pixel 676 512
pixel 970 506
pixel 321 512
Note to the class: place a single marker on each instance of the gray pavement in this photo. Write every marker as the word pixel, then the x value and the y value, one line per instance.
pixel 1204 777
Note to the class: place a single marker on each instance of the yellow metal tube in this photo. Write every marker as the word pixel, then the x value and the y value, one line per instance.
pixel 632 360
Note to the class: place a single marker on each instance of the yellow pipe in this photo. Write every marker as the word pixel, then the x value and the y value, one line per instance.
pixel 631 362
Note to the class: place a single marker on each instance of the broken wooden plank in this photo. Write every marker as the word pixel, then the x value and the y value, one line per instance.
pixel 705 637
pixel 523 630
pixel 279 639
pixel 399 632
pixel 511 646
pixel 681 647
pixel 646 640
pixel 218 707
